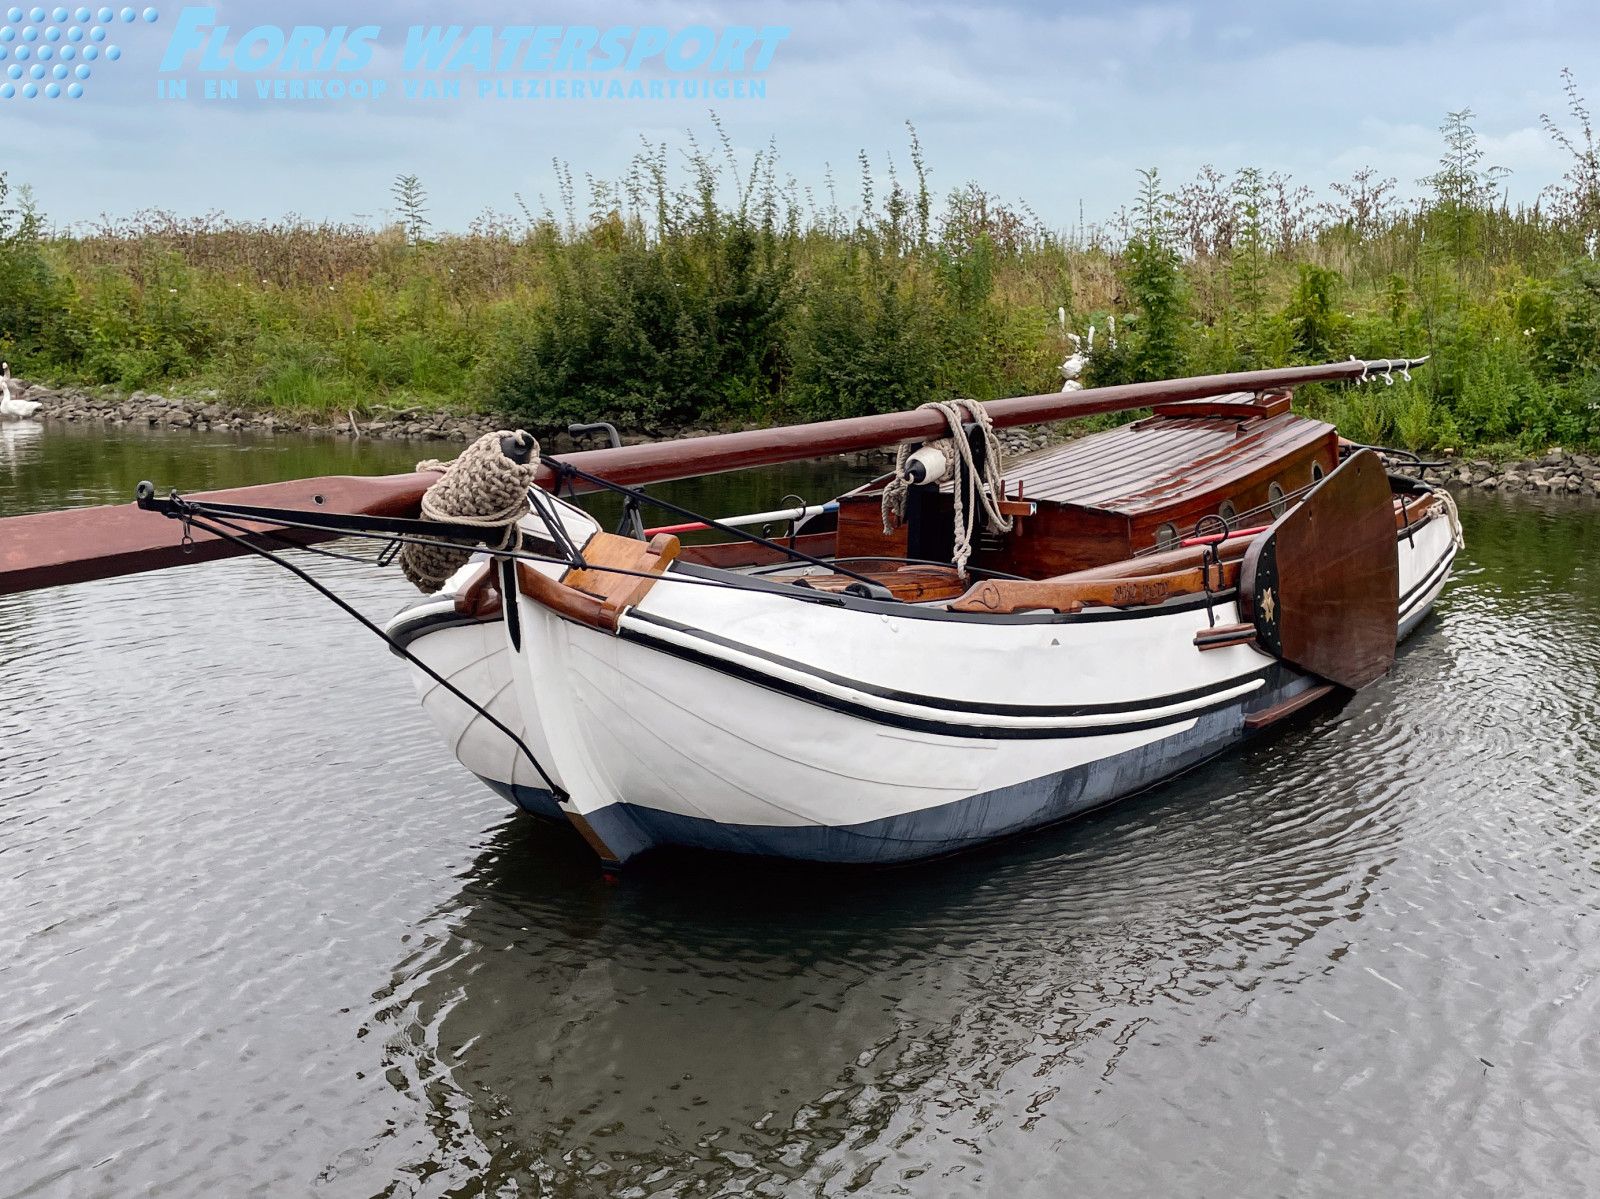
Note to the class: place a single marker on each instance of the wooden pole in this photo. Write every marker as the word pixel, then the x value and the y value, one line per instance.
pixel 53 548
pixel 662 461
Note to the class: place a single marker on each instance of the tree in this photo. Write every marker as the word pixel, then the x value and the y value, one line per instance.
pixel 1365 205
pixel 1462 189
pixel 1155 284
pixel 1577 198
pixel 1314 314
pixel 412 202
pixel 27 305
pixel 1248 268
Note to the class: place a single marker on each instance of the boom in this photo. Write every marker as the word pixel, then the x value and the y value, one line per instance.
pixel 49 549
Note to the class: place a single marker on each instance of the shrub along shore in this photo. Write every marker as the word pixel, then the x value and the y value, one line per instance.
pixel 717 295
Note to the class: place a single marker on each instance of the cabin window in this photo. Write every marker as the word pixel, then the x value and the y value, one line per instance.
pixel 1275 498
pixel 1166 537
pixel 1316 472
pixel 1228 512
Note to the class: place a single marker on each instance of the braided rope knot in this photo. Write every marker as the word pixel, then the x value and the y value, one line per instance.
pixel 483 488
pixel 981 494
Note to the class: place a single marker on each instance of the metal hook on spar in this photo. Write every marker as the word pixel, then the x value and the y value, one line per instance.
pixel 1386 367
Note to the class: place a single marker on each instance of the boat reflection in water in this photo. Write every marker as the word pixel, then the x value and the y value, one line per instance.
pixel 734 1025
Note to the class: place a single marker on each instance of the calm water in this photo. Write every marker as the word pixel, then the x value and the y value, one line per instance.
pixel 259 935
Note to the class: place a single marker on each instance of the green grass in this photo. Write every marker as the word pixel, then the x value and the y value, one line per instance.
pixel 727 296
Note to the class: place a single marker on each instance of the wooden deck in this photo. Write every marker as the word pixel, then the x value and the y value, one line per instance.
pixel 1166 462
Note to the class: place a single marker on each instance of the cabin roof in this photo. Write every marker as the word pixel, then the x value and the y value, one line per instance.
pixel 1162 461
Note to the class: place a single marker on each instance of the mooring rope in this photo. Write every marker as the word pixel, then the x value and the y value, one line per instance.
pixel 1454 515
pixel 486 488
pixel 982 492
pixel 242 540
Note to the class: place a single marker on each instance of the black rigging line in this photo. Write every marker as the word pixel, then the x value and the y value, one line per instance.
pixel 198 508
pixel 555 789
pixel 396 531
pixel 568 472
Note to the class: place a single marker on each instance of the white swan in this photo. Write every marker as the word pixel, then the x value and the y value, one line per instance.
pixel 20 409
pixel 1072 368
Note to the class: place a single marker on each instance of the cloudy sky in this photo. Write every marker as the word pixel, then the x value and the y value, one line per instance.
pixel 1053 104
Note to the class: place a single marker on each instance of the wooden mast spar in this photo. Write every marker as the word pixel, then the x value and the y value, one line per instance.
pixel 50 549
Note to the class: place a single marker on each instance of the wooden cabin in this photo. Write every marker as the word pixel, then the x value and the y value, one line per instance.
pixel 1104 498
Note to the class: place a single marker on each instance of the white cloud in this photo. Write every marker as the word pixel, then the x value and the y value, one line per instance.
pixel 1047 103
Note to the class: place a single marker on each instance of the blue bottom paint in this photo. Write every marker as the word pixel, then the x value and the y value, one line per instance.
pixel 535 801
pixel 629 829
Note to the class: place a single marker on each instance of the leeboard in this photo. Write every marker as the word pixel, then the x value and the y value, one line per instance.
pixel 1322 584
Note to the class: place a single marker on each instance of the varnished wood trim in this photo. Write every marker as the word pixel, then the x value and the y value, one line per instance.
pixel 564 601
pixel 730 554
pixel 1071 593
pixel 1260 720
pixel 1254 408
pixel 1224 635
pixel 1230 550
pixel 586 831
pixel 480 598
pixel 1412 515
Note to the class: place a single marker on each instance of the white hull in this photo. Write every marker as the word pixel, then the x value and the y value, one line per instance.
pixel 762 722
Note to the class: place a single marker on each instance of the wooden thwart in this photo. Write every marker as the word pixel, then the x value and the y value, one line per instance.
pixel 617 590
pixel 597 595
pixel 909 584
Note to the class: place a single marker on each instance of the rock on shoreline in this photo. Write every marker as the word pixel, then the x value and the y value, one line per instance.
pixel 1554 472
pixel 205 413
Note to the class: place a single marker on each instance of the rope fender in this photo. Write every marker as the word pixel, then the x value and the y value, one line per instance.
pixel 486 487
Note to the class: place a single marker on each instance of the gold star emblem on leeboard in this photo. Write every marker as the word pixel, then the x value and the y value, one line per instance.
pixel 1267 604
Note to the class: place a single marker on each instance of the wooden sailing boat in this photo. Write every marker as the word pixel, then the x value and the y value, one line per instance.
pixel 872 690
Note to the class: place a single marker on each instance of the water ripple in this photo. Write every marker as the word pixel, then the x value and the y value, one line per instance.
pixel 258 933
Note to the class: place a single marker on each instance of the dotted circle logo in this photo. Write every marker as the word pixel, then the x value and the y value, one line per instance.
pixel 58 44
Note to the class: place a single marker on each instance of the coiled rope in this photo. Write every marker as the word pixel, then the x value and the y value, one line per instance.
pixel 484 487
pixel 981 494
